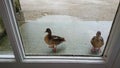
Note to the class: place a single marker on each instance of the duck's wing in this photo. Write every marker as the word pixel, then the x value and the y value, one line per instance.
pixel 102 40
pixel 57 40
pixel 56 37
pixel 92 40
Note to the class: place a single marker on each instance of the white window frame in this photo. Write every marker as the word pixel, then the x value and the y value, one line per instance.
pixel 108 60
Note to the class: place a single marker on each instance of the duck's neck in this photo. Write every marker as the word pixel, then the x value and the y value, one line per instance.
pixel 98 37
pixel 50 33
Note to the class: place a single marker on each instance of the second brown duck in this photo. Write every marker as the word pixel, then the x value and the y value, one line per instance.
pixel 97 42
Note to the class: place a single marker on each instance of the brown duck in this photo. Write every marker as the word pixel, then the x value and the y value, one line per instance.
pixel 97 42
pixel 53 40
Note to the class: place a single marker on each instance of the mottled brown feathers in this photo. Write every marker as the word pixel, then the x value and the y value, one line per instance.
pixel 52 40
pixel 97 41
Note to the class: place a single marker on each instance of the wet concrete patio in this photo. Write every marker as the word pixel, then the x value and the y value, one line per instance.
pixel 76 32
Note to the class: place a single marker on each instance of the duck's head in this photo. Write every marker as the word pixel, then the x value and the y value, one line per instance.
pixel 48 30
pixel 98 33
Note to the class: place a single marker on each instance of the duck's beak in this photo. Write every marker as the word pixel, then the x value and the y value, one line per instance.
pixel 45 31
pixel 64 39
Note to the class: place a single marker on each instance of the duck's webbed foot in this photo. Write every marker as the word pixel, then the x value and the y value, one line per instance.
pixel 95 50
pixel 54 49
pixel 51 46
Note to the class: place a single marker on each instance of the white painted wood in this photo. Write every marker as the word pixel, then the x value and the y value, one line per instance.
pixel 11 28
pixel 113 45
pixel 117 61
pixel 7 56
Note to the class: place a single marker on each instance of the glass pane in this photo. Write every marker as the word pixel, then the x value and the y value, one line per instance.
pixel 65 27
pixel 5 46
